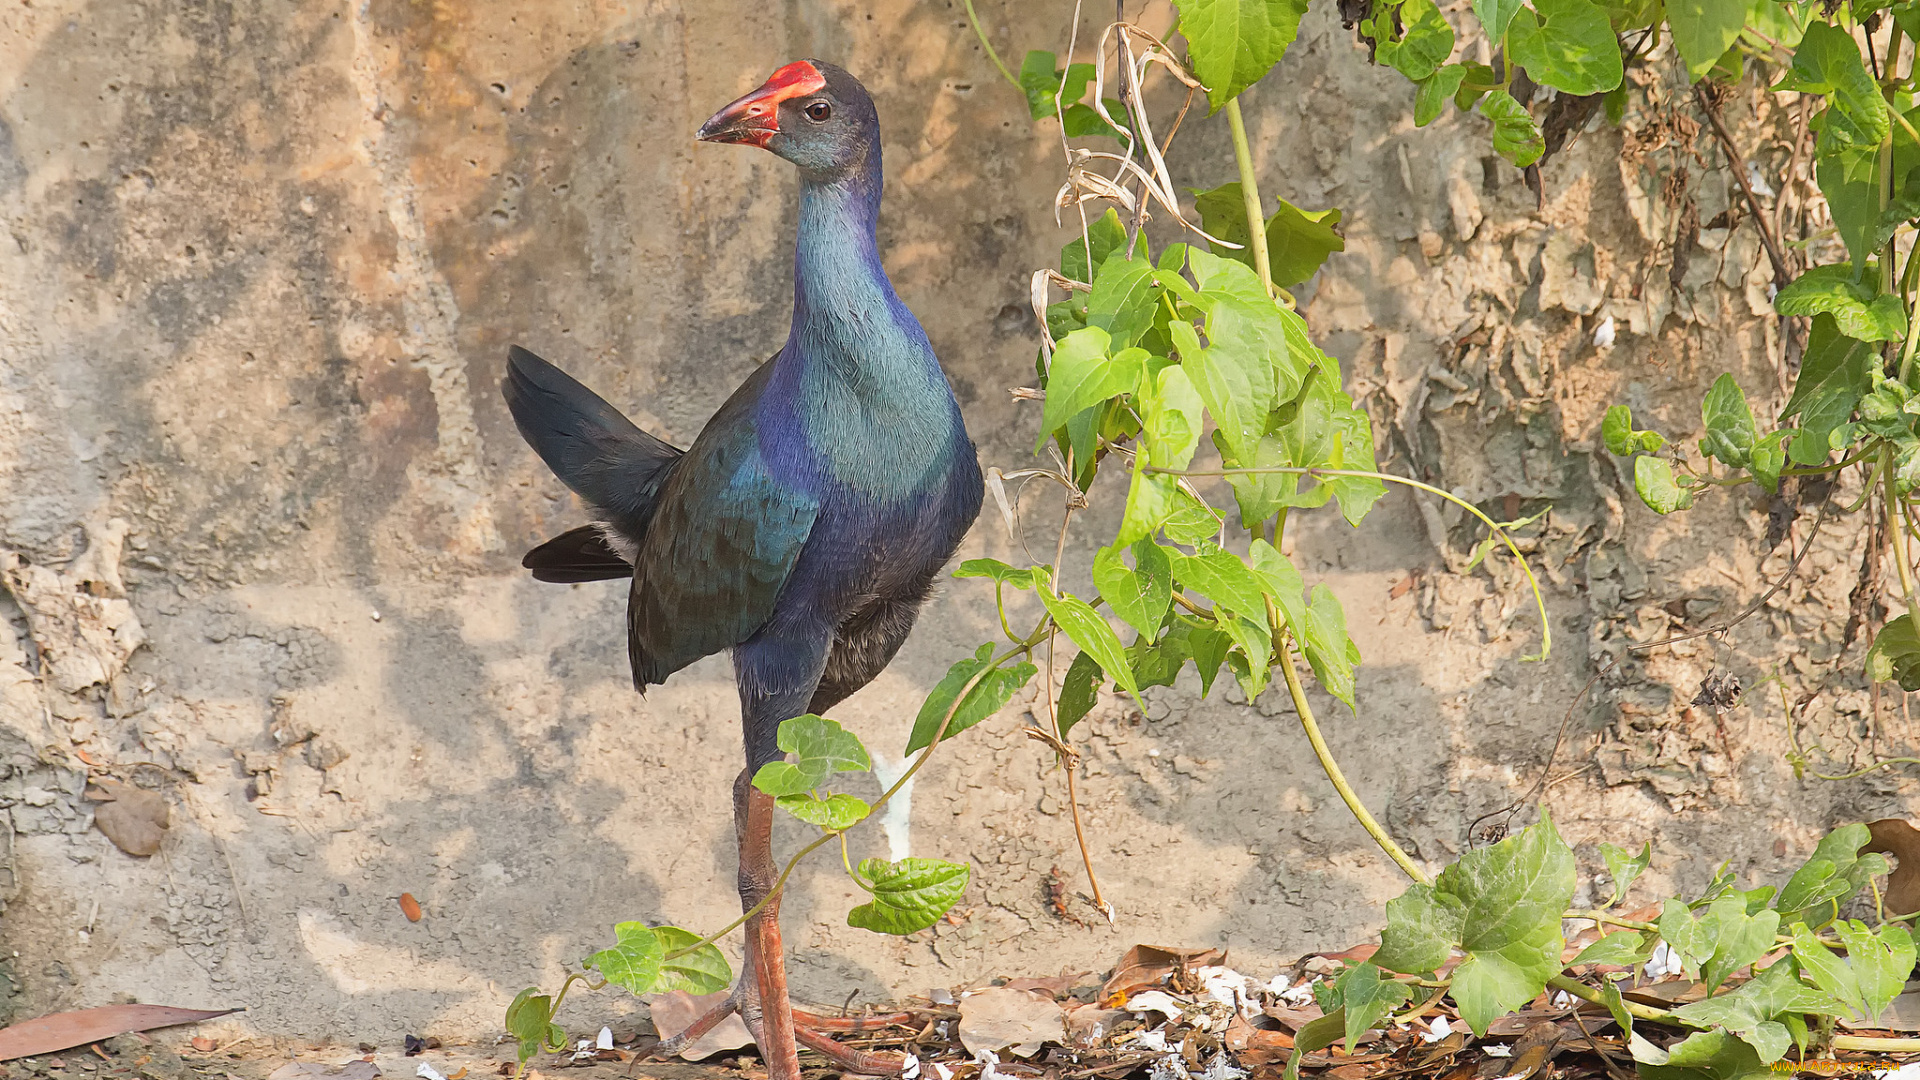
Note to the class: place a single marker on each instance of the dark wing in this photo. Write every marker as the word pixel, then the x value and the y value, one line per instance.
pixel 581 554
pixel 722 542
pixel 600 454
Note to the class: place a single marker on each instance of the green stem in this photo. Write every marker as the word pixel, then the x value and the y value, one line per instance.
pixel 562 995
pixel 1897 533
pixel 1876 1045
pixel 1587 993
pixel 981 33
pixel 1332 768
pixel 1250 195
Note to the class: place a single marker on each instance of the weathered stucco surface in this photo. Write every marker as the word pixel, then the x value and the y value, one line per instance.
pixel 260 265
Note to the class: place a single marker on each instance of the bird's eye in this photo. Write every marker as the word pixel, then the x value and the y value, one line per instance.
pixel 819 111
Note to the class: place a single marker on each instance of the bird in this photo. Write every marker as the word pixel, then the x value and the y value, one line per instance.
pixel 804 528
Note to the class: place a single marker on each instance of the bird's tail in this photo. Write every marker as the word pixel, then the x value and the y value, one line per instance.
pixel 600 454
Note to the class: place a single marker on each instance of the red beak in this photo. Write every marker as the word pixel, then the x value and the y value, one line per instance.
pixel 755 118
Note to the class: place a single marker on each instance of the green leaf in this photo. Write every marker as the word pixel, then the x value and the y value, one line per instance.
pixel 1318 428
pixel 1502 906
pixel 1090 631
pixel 1367 998
pixel 1653 482
pixel 820 747
pixel 1479 79
pixel 1000 572
pixel 1569 46
pixel 1233 43
pixel 1515 136
pixel 1767 461
pixel 1220 576
pixel 1237 390
pixel 1880 960
pixel 1831 875
pixel 1828 972
pixel 1434 91
pixel 1107 234
pixel 1729 423
pixel 1316 1035
pixel 982 701
pixel 832 813
pixel 633 961
pixel 1748 1012
pixel 1623 948
pixel 1125 300
pixel 1171 415
pixel 1280 580
pixel 1616 1006
pixel 1083 121
pixel 1895 654
pixel 1139 594
pixel 1078 693
pixel 1857 311
pixel 1625 867
pixel 1834 375
pixel 702 971
pixel 1040 81
pixel 1222 278
pixel 638 961
pixel 1849 176
pixel 1616 430
pixel 530 1021
pixel 908 895
pixel 1298 241
pixel 1083 375
pixel 1704 1055
pixel 1329 650
pixel 1254 648
pixel 1738 938
pixel 1495 15
pixel 1679 929
pixel 1828 62
pixel 1703 30
pixel 1423 42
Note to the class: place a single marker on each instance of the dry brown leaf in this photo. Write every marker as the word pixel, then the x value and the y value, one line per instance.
pixel 135 819
pixel 1533 1050
pixel 1089 1025
pixel 411 909
pixel 1001 1018
pixel 1149 965
pixel 675 1012
pixel 61 1031
pixel 1892 836
pixel 1054 986
pixel 202 1044
pixel 1294 1019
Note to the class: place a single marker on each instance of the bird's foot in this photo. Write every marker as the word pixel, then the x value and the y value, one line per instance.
pixel 808 1028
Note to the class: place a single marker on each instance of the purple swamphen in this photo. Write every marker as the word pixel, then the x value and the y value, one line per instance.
pixel 802 530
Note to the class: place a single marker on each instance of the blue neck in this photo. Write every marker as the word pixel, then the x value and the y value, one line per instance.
pixel 857 383
pixel 838 283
